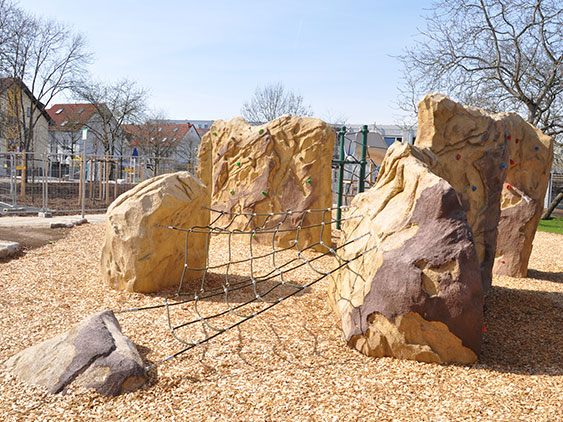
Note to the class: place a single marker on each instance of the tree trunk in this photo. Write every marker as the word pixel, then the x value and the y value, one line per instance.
pixel 552 206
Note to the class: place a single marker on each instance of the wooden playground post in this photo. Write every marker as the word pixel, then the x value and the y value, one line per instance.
pixel 82 182
pixel 106 176
pixel 116 175
pixel 23 174
pixel 100 176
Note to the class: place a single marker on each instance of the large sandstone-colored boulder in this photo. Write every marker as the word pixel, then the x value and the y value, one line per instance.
pixel 413 288
pixel 529 165
pixel 140 256
pixel 282 165
pixel 93 354
pixel 473 155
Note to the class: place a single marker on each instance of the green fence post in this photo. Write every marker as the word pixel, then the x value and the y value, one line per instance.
pixel 361 187
pixel 340 178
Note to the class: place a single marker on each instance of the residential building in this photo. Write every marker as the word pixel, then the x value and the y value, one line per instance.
pixel 19 111
pixel 177 142
pixel 201 126
pixel 69 121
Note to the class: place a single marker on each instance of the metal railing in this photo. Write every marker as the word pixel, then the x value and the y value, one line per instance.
pixel 54 183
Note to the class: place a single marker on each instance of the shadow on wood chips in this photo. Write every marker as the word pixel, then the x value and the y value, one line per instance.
pixel 556 277
pixel 523 331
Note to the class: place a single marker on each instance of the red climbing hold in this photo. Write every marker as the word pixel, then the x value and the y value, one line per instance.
pixel 517 140
pixel 508 187
pixel 484 328
pixel 458 157
pixel 511 162
pixel 509 137
pixel 502 262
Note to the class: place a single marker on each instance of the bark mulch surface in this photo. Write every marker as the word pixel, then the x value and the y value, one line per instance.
pixel 290 363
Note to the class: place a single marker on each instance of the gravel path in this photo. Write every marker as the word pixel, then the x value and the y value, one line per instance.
pixel 289 363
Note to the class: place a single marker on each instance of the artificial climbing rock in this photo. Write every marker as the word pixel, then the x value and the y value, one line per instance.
pixel 481 155
pixel 473 154
pixel 93 354
pixel 282 165
pixel 529 165
pixel 413 288
pixel 139 255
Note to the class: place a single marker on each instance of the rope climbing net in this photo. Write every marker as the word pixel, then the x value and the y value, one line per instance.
pixel 249 273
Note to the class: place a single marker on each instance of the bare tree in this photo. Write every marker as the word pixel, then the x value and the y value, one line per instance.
pixel 157 139
pixel 153 137
pixel 42 56
pixel 116 104
pixel 7 15
pixel 271 102
pixel 495 54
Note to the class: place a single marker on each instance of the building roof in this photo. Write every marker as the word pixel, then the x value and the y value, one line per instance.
pixel 6 83
pixel 201 132
pixel 165 133
pixel 70 116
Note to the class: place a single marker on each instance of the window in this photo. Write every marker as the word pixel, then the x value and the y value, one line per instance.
pixel 164 140
pixel 160 129
pixel 80 111
pixel 64 123
pixel 175 129
pixel 59 111
pixel 28 111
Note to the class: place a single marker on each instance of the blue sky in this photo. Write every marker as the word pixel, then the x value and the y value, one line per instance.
pixel 202 60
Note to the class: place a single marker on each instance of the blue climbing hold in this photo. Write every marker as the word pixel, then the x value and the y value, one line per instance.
pixel 474 188
pixel 502 165
pixel 536 148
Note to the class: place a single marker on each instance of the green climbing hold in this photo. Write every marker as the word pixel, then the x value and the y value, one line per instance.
pixel 232 192
pixel 238 163
pixel 308 180
pixel 264 192
pixel 261 131
pixel 253 235
pixel 214 133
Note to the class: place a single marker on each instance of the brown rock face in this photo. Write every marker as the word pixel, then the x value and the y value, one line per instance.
pixel 282 165
pixel 531 155
pixel 477 152
pixel 416 293
pixel 94 354
pixel 473 155
pixel 139 256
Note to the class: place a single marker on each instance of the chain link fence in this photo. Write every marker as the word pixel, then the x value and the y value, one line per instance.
pixel 30 183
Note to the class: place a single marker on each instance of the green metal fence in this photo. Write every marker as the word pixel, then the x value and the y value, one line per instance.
pixel 347 162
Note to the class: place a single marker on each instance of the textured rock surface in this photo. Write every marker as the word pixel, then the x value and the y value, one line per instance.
pixel 529 164
pixel 279 166
pixel 416 293
pixel 93 354
pixel 473 155
pixel 139 256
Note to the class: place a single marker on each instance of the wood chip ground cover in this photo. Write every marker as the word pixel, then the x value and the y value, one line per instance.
pixel 290 363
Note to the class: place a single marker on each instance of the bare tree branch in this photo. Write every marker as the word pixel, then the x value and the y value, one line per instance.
pixel 116 104
pixel 273 101
pixel 45 55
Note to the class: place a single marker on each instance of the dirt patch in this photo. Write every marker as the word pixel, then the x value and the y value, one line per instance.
pixel 32 237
